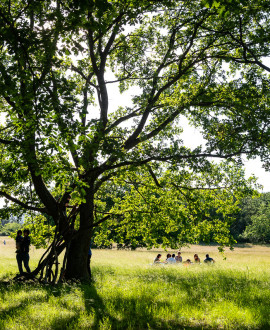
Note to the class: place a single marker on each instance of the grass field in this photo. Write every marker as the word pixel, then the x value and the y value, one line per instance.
pixel 129 293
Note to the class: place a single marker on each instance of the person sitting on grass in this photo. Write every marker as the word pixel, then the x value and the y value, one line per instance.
pixel 178 258
pixel 171 259
pixel 187 262
pixel 157 259
pixel 196 259
pixel 168 256
pixel 209 260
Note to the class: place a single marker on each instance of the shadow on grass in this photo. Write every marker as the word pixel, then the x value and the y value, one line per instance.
pixel 142 311
pixel 204 291
pixel 132 313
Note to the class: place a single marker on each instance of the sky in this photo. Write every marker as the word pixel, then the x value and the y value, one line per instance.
pixel 192 138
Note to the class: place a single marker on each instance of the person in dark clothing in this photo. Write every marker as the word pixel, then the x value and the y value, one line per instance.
pixel 209 260
pixel 23 254
pixel 19 240
pixel 89 260
pixel 157 259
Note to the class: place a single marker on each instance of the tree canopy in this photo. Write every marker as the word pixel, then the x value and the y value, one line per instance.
pixel 63 140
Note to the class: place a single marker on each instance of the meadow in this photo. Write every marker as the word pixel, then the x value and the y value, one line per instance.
pixel 128 292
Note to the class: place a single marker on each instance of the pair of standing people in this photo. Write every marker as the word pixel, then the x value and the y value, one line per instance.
pixel 22 250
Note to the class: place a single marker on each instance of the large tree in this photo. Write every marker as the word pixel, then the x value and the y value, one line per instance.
pixel 62 138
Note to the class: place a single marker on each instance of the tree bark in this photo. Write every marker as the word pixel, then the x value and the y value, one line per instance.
pixel 77 253
pixel 77 250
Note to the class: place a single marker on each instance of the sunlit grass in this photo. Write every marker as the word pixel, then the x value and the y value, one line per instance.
pixel 129 293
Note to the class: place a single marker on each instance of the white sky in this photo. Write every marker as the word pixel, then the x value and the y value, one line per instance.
pixel 192 138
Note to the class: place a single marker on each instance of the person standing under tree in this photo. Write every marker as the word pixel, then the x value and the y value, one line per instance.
pixel 19 240
pixel 23 251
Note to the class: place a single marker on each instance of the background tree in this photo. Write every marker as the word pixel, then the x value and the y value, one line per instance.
pixel 9 228
pixel 62 138
pixel 258 231
pixel 248 207
pixel 252 221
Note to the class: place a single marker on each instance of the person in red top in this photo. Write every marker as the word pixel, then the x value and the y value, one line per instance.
pixel 196 259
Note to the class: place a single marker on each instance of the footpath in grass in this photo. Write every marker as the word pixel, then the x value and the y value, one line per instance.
pixel 129 293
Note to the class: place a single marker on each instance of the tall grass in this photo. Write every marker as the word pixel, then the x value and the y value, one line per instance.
pixel 129 293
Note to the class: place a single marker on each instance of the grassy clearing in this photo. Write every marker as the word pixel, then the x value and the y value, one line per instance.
pixel 129 293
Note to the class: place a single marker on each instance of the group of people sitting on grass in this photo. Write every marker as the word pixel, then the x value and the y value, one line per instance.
pixel 173 259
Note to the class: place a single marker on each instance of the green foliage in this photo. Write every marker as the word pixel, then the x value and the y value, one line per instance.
pixel 184 208
pixel 10 228
pixel 42 232
pixel 251 224
pixel 247 208
pixel 258 228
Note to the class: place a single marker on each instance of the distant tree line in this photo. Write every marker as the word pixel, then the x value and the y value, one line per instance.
pixel 9 228
pixel 253 220
pixel 11 224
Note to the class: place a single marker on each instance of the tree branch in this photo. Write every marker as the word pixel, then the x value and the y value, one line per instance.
pixel 153 176
pixel 197 188
pixel 171 158
pixel 6 141
pixel 154 95
pixel 25 206
pixel 102 220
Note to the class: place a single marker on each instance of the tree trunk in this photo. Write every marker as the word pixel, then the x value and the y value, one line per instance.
pixel 77 253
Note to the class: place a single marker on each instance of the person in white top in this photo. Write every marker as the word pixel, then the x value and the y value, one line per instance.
pixel 171 260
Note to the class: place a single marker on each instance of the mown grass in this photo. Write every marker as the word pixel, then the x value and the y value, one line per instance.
pixel 129 293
